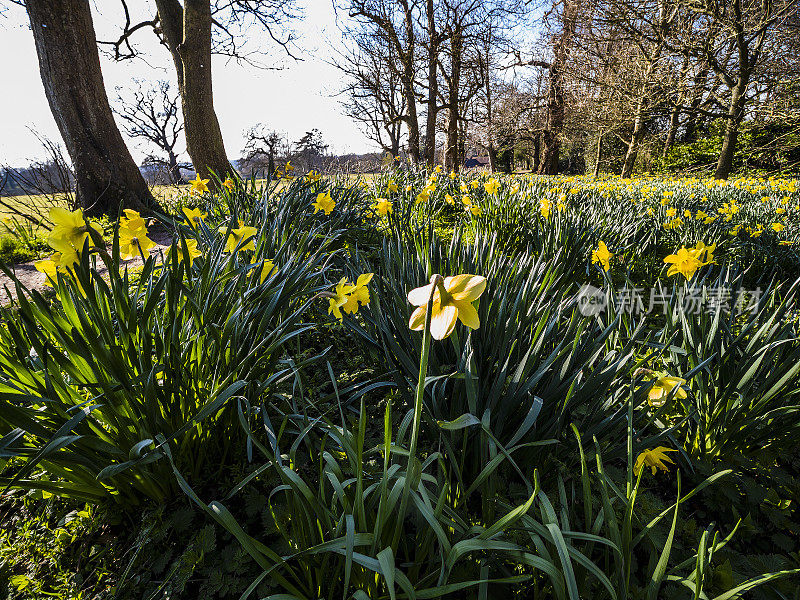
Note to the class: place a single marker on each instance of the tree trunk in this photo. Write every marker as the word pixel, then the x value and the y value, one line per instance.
pixel 187 32
pixel 598 154
pixel 674 120
pixel 106 176
pixel 453 112
pixel 491 152
pixel 433 86
pixel 734 119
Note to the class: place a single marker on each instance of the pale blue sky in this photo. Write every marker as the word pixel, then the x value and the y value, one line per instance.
pixel 291 100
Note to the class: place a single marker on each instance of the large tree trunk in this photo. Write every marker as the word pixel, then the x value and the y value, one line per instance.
pixel 187 32
pixel 453 108
pixel 106 176
pixel 433 86
pixel 734 119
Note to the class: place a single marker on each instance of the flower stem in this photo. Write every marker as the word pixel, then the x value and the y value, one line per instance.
pixel 418 399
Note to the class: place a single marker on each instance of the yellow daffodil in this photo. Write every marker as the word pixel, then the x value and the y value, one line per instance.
pixel 466 200
pixel 544 207
pixel 475 184
pixel 449 199
pixel 340 297
pixel 491 186
pixel 654 458
pixel 176 250
pixel 778 227
pixel 193 216
pixel 452 301
pixel 239 234
pixel 263 270
pixel 383 207
pixel 228 183
pixel 133 240
pixel 324 203
pixel 391 186
pixel 663 387
pixel 49 267
pixel 688 260
pixel 474 209
pixel 70 230
pixel 359 294
pixel 602 256
pixel 464 188
pixel 199 186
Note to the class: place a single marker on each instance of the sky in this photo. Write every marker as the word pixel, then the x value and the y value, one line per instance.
pixel 292 100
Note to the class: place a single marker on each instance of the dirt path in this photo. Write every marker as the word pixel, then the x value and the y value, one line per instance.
pixel 32 279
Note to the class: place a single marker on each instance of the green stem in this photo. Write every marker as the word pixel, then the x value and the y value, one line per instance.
pixel 418 399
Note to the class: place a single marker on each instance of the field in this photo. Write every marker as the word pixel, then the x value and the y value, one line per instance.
pixel 413 385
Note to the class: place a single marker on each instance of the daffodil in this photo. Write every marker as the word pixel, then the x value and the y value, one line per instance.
pixel 474 209
pixel 778 227
pixel 391 186
pixel 239 234
pixel 383 206
pixel 264 269
pixel 687 261
pixel 663 387
pixel 452 301
pixel 133 240
pixel 49 267
pixel 324 203
pixel 176 250
pixel 358 295
pixel 602 256
pixel 491 186
pixel 654 458
pixel 449 199
pixel 228 183
pixel 199 186
pixel 193 216
pixel 70 230
pixel 340 297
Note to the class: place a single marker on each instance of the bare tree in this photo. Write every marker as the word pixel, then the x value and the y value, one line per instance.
pixel 151 114
pixel 261 143
pixel 192 32
pixel 372 90
pixel 396 21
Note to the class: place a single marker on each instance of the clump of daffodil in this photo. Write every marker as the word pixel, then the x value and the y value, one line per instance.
pixel 239 234
pixel 324 203
pixel 199 185
pixel 383 206
pixel 348 296
pixel 655 458
pixel 491 186
pixel 313 176
pixel 687 261
pixel 602 256
pixel 176 250
pixel 69 234
pixel 133 240
pixel 452 301
pixel 193 216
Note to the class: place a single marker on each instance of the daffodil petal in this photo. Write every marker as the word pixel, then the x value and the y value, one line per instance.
pixel 419 296
pixel 417 320
pixel 465 287
pixel 443 321
pixel 467 314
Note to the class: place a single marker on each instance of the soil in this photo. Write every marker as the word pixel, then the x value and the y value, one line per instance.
pixel 31 279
